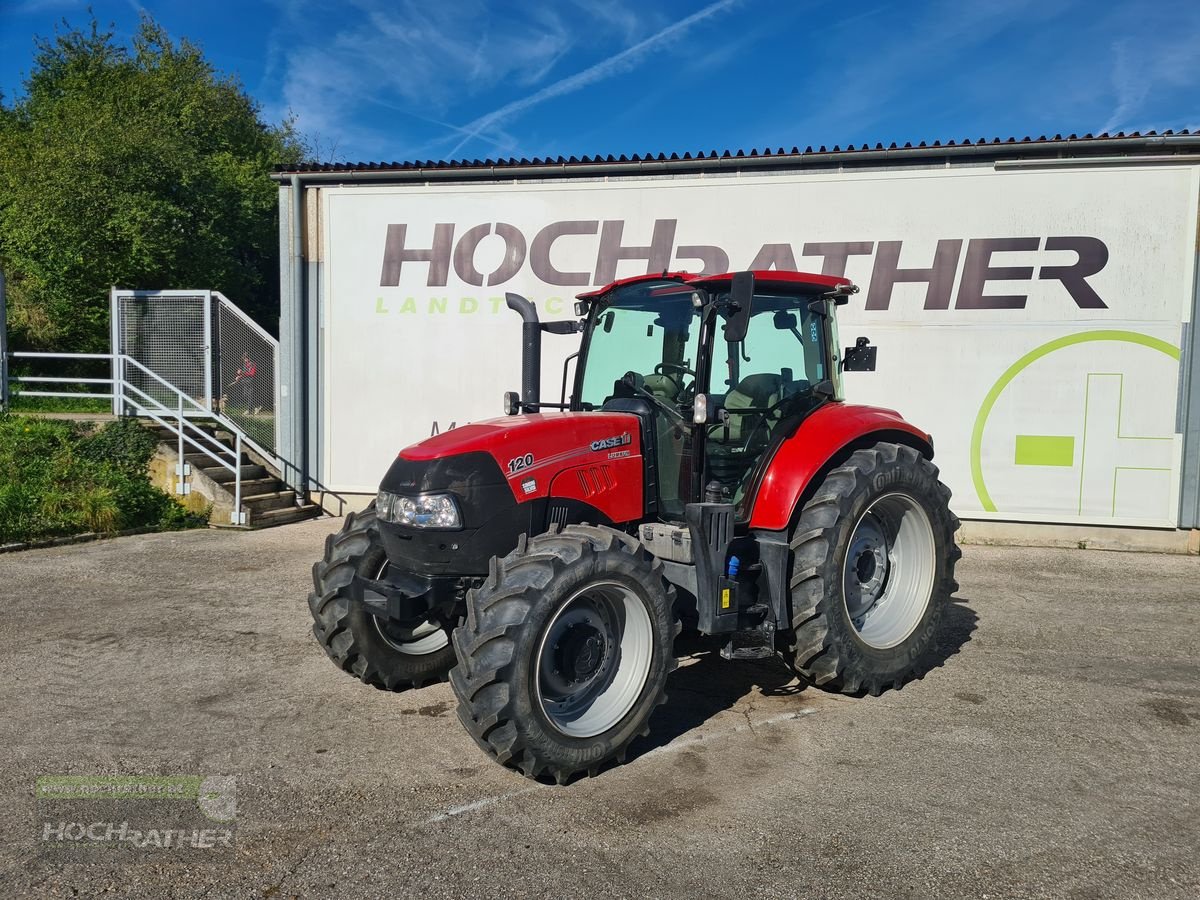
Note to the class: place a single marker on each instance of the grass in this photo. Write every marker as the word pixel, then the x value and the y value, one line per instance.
pixel 84 404
pixel 68 368
pixel 58 479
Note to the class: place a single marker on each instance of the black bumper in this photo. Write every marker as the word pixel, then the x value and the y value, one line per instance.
pixel 492 518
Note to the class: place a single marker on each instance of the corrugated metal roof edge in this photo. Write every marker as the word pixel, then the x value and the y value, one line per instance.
pixel 1135 143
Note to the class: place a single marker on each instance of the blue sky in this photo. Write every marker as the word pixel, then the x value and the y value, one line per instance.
pixel 439 79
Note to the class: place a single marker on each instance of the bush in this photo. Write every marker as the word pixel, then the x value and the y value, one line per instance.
pixel 124 444
pixel 58 480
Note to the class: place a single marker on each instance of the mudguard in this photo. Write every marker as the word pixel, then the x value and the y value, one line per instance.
pixel 821 437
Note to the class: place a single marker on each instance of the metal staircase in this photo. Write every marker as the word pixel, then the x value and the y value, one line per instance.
pixel 202 375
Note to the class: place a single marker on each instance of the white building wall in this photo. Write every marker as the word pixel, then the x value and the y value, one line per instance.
pixel 1041 347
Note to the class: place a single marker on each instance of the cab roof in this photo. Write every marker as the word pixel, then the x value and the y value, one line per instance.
pixel 790 281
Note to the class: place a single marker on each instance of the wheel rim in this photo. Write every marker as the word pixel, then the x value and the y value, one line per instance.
pixel 889 570
pixel 428 637
pixel 593 659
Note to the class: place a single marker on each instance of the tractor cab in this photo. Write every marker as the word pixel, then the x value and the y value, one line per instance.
pixel 724 367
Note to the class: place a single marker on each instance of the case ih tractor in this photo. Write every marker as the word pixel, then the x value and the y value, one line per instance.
pixel 703 472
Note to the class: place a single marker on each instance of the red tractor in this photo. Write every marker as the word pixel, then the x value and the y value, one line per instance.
pixel 703 472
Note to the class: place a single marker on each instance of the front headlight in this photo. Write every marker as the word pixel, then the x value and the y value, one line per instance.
pixel 421 511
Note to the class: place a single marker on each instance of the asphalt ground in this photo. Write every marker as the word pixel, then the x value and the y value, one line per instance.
pixel 1056 753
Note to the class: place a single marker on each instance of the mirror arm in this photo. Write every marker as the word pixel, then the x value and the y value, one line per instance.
pixel 569 326
pixel 566 362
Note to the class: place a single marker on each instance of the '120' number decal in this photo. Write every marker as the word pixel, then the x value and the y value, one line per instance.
pixel 520 463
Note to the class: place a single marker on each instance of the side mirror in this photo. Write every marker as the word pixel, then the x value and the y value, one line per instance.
pixel 512 403
pixel 860 357
pixel 741 298
pixel 784 320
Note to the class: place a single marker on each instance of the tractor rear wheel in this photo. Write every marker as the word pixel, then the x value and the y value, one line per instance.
pixel 565 651
pixel 873 557
pixel 370 648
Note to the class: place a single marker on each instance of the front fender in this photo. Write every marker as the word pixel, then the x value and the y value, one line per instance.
pixel 822 437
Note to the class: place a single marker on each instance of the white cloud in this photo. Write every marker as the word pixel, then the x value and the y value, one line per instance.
pixel 613 65
pixel 630 25
pixel 942 39
pixel 1130 84
pixel 1149 64
pixel 425 57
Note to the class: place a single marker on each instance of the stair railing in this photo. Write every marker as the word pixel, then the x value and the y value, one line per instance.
pixel 178 419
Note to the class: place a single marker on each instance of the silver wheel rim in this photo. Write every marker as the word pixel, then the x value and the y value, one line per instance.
pixel 887 580
pixel 593 659
pixel 426 638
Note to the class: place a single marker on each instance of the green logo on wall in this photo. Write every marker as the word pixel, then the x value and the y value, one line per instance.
pixel 1067 450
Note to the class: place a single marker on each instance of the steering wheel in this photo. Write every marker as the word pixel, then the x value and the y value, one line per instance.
pixel 683 370
pixel 661 369
pixel 763 417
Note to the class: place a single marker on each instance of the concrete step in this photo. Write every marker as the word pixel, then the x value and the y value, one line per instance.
pixel 284 515
pixel 221 475
pixel 268 485
pixel 202 461
pixel 260 503
pixel 168 435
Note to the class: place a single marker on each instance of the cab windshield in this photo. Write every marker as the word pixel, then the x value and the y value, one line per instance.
pixel 651 329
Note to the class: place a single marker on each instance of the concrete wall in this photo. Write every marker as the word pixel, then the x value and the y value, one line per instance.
pixel 205 493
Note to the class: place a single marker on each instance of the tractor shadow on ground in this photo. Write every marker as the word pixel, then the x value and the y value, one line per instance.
pixel 705 684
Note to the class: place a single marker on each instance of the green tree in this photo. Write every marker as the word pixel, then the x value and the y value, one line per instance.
pixel 139 166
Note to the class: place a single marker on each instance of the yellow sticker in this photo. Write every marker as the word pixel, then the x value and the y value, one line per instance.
pixel 725 598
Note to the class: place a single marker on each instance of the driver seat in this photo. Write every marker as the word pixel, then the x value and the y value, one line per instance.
pixel 752 392
pixel 729 459
pixel 664 387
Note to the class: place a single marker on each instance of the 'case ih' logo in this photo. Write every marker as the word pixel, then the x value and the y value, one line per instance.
pixel 609 443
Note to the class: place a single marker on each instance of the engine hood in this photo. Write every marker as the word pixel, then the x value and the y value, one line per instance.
pixel 530 450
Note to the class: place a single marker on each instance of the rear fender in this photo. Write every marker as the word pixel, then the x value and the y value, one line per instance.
pixel 821 442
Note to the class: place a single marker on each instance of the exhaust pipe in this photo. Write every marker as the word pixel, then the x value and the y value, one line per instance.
pixel 531 350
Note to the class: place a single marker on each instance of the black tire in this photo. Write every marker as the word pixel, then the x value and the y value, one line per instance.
pixel 826 647
pixel 352 637
pixel 500 648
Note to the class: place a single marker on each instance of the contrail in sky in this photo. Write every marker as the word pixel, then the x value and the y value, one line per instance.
pixel 601 70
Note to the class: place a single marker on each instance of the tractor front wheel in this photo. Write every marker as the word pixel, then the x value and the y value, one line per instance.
pixel 565 651
pixel 873 557
pixel 372 649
